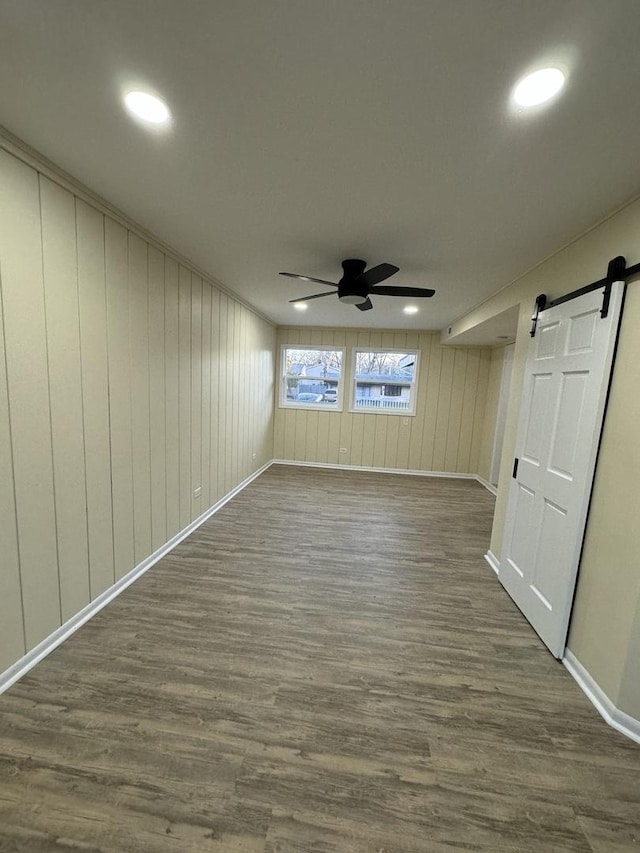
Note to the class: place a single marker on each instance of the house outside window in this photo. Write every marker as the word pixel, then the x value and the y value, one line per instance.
pixel 311 378
pixel 384 381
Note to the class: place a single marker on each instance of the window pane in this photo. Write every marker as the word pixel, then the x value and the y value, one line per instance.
pixel 307 362
pixel 377 397
pixel 384 366
pixel 311 376
pixel 384 380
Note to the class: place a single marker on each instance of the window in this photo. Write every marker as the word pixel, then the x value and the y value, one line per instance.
pixel 311 378
pixel 385 381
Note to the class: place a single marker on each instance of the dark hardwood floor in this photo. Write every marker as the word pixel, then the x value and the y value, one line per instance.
pixel 327 666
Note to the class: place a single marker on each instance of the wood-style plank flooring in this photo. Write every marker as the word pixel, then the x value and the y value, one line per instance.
pixel 327 666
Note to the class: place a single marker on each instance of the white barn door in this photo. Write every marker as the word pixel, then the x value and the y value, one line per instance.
pixel 563 400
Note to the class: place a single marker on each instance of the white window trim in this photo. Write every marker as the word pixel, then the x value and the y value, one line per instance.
pixel 283 403
pixel 405 413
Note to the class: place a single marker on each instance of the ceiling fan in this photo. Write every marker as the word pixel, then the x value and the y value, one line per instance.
pixel 356 286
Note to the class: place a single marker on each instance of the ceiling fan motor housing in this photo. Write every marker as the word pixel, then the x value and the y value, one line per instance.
pixel 350 290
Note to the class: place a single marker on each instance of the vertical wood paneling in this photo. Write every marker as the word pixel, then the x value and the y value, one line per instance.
pixel 333 452
pixel 119 358
pixel 236 385
pixel 157 415
pixel 463 461
pixel 357 440
pixel 387 340
pixel 268 384
pixel 379 439
pixel 185 394
pixel 479 412
pixel 60 271
pixel 412 341
pixel 140 420
pixel 196 393
pixel 431 407
pixel 345 436
pixel 230 391
pixel 368 439
pixel 205 409
pixel 279 424
pixel 492 400
pixel 418 424
pixel 445 390
pixel 95 393
pixel 322 435
pixel 290 435
pixel 256 342
pixel 242 397
pixel 222 393
pixel 299 444
pixel 440 436
pixel 311 441
pixel 404 441
pixel 351 436
pixel 214 440
pixel 172 394
pixel 455 410
pixel 12 645
pixel 28 392
pixel 123 385
pixel 391 444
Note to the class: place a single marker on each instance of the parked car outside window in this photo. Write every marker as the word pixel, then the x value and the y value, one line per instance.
pixel 306 397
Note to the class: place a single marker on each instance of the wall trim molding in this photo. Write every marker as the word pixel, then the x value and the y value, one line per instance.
pixel 493 561
pixel 411 472
pixel 617 719
pixel 34 656
pixel 488 486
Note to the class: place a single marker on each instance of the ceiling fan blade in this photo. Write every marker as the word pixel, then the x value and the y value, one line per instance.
pixel 376 274
pixel 308 278
pixel 315 296
pixel 365 306
pixel 385 290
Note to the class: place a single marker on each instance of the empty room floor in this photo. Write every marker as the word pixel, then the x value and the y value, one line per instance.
pixel 326 665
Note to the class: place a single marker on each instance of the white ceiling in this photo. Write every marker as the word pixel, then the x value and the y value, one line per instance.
pixel 308 131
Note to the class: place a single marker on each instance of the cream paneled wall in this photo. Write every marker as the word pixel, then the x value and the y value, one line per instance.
pixel 494 385
pixel 444 435
pixel 126 382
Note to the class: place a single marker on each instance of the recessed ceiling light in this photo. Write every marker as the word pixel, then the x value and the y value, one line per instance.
pixel 300 306
pixel 147 107
pixel 410 309
pixel 538 87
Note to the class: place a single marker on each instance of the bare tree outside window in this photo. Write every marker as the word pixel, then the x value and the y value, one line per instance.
pixel 385 381
pixel 328 359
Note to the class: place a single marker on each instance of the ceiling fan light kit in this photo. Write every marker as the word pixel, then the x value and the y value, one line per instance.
pixel 356 286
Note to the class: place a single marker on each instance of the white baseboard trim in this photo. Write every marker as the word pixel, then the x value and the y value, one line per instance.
pixel 411 472
pixel 488 486
pixel 33 657
pixel 616 718
pixel 493 561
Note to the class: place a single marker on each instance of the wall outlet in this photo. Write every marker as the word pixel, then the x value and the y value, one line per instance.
pixel 405 422
pixel 197 492
pixel 343 450
pixel 253 455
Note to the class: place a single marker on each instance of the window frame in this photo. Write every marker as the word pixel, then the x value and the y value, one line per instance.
pixel 284 403
pixel 410 411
